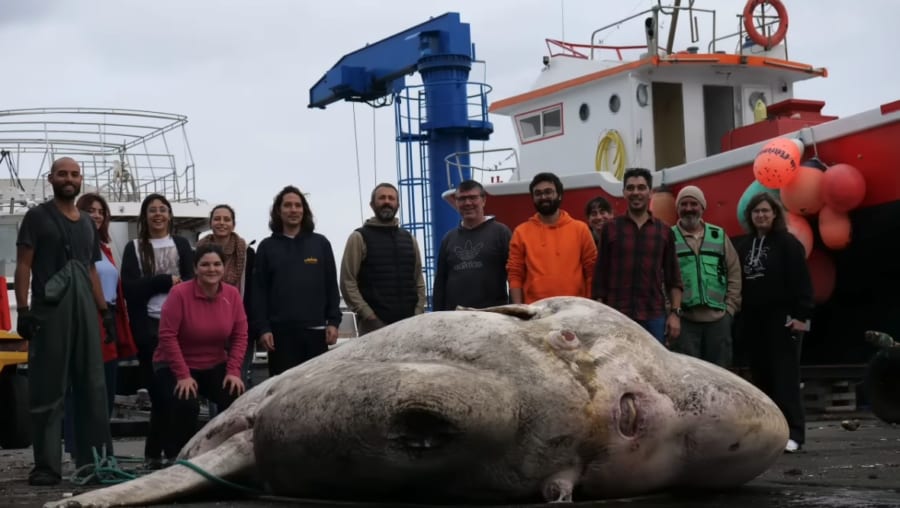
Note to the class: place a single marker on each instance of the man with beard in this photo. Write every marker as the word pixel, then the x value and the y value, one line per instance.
pixel 57 247
pixel 381 271
pixel 711 271
pixel 637 260
pixel 550 254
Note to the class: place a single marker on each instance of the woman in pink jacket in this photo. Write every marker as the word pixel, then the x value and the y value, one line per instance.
pixel 202 340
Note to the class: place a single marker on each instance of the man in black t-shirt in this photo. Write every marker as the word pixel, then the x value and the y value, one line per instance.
pixel 56 250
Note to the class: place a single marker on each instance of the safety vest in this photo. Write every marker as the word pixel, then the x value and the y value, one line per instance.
pixel 704 275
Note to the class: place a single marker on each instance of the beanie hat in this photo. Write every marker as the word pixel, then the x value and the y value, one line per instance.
pixel 691 191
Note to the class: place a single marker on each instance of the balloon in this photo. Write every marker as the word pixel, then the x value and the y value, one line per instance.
pixel 843 187
pixel 834 228
pixel 804 195
pixel 776 164
pixel 798 227
pixel 752 190
pixel 662 206
pixel 822 273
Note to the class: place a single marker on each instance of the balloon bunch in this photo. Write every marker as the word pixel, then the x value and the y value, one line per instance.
pixel 807 190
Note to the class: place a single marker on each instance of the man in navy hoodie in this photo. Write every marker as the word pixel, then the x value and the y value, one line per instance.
pixel 296 304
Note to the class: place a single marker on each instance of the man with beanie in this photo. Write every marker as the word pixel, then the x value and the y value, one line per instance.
pixel 711 272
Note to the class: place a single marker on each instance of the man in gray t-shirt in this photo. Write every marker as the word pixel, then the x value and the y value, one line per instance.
pixel 58 244
pixel 471 264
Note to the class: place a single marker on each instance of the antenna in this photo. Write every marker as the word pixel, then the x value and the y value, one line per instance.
pixel 562 18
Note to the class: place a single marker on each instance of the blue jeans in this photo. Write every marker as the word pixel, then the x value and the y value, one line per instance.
pixel 656 327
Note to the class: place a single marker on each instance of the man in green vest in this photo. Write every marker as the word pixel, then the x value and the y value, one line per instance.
pixel 711 272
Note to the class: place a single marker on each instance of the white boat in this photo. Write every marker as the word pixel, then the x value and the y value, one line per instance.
pixel 124 155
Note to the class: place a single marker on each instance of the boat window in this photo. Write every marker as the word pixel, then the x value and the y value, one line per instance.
pixel 539 124
pixel 8 251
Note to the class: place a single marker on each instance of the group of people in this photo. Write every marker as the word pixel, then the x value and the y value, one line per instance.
pixel 192 314
pixel 685 284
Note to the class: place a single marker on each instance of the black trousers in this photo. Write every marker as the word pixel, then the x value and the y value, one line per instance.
pixel 774 360
pixel 179 416
pixel 294 344
pixel 146 348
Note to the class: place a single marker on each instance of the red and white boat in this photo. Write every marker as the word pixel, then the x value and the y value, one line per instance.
pixel 700 115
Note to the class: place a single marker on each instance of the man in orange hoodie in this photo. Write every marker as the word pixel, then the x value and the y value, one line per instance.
pixel 550 254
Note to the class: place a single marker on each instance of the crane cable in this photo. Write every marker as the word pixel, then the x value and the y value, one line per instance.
pixel 601 159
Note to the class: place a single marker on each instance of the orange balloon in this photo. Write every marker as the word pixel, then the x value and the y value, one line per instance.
pixel 776 164
pixel 834 228
pixel 798 227
pixel 662 206
pixel 843 187
pixel 804 195
pixel 822 273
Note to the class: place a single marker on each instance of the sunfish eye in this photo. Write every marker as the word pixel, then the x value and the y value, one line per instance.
pixel 563 339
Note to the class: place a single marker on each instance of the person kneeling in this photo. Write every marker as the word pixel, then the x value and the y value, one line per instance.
pixel 202 340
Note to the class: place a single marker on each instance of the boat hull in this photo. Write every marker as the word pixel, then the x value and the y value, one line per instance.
pixel 866 273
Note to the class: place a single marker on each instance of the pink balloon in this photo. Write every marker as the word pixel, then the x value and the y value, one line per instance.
pixel 799 227
pixel 804 194
pixel 843 187
pixel 822 273
pixel 834 228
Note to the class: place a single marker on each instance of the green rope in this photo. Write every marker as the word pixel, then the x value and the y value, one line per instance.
pixel 216 479
pixel 104 470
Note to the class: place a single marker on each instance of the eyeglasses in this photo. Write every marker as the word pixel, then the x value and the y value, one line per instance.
pixel 762 211
pixel 546 192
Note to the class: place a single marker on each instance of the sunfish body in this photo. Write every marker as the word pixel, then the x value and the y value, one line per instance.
pixel 565 397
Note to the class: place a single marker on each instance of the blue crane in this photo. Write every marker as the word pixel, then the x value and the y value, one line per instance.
pixel 433 120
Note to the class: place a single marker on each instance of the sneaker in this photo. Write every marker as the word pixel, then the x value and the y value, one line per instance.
pixel 43 479
pixel 791 446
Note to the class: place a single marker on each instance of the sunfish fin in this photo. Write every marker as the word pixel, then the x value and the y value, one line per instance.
pixel 519 310
pixel 232 458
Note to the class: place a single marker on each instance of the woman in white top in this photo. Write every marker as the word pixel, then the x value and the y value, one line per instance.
pixel 151 265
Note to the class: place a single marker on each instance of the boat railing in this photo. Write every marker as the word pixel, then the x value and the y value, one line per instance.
pixel 653 36
pixel 494 163
pixel 124 154
pixel 651 26
pixel 571 49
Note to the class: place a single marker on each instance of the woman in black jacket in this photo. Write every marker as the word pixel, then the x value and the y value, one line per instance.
pixel 151 265
pixel 777 302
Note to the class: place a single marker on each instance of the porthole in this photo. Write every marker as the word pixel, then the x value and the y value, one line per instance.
pixel 615 103
pixel 584 111
pixel 641 95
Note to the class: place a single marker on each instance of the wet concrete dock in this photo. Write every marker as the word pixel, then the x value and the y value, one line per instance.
pixel 837 467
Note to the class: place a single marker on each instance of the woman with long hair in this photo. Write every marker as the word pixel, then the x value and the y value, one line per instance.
pixel 295 297
pixel 202 340
pixel 151 265
pixel 238 258
pixel 776 306
pixel 124 346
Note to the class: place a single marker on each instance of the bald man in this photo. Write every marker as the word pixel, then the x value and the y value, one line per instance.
pixel 56 250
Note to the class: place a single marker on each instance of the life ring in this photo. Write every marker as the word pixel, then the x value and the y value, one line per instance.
pixel 755 35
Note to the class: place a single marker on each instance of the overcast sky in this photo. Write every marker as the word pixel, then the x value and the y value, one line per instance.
pixel 241 72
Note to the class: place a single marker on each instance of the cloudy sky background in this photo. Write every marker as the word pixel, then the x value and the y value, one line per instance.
pixel 241 72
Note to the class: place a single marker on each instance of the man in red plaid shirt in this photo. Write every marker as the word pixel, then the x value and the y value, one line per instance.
pixel 636 260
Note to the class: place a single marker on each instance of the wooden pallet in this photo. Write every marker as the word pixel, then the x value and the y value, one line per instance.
pixel 829 396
